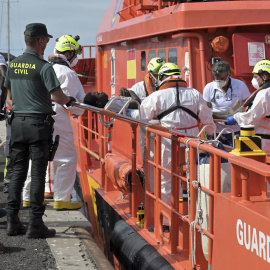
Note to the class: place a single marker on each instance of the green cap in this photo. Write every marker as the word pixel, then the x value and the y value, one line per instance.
pixel 36 29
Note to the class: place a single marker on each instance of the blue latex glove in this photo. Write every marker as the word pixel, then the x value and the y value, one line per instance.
pixel 230 121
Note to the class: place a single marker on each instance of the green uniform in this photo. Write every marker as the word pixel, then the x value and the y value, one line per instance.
pixel 31 80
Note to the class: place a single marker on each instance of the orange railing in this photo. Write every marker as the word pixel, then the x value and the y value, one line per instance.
pixel 249 177
pixel 86 67
pixel 135 8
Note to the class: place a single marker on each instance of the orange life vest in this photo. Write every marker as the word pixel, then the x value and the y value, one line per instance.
pixel 148 85
pixel 171 82
pixel 175 82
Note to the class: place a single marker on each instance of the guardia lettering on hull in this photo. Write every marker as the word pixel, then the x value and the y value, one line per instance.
pixel 253 240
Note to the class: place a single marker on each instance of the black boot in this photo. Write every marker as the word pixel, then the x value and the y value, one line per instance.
pixel 14 226
pixel 1 249
pixel 37 229
pixel 5 189
pixel 3 212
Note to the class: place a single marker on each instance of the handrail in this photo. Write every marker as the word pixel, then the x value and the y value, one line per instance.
pixel 123 110
pixel 131 120
pixel 90 51
pixel 204 127
pixel 108 105
pixel 176 212
pixel 222 131
pixel 239 161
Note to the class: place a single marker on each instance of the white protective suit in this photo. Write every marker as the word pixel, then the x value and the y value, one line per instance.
pixel 61 171
pixel 139 90
pixel 144 88
pixel 162 100
pixel 256 116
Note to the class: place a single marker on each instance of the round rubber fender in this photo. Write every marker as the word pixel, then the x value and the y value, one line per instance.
pixel 148 258
pixel 130 248
pixel 120 233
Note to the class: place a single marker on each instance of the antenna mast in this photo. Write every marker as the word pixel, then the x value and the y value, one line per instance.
pixel 8 30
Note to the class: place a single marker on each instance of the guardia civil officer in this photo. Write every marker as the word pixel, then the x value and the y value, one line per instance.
pixel 31 81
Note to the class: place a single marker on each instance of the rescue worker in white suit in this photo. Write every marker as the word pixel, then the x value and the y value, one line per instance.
pixel 150 82
pixel 64 165
pixel 257 105
pixel 176 107
pixel 143 89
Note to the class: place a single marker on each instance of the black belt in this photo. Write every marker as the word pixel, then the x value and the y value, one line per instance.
pixel 34 115
pixel 264 136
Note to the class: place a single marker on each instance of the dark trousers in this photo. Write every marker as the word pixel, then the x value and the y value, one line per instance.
pixel 30 138
pixel 226 138
pixel 8 168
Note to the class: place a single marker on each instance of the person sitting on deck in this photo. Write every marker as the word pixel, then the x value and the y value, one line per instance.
pixel 101 99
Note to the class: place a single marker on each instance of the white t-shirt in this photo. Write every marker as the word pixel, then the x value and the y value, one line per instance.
pixel 223 101
pixel 2 63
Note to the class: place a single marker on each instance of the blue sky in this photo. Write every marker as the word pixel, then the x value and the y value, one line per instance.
pixel 81 17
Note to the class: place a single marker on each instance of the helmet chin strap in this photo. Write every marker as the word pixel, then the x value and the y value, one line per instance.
pixel 263 81
pixel 69 59
pixel 154 80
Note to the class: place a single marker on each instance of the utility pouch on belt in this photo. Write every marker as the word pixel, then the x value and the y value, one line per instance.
pixel 10 116
pixel 53 148
pixel 49 120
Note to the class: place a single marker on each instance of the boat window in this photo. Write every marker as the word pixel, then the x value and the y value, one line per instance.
pixel 143 61
pixel 173 55
pixel 152 54
pixel 162 54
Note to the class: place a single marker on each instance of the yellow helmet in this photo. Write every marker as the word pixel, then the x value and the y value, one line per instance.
pixel 263 65
pixel 168 69
pixel 68 43
pixel 155 64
